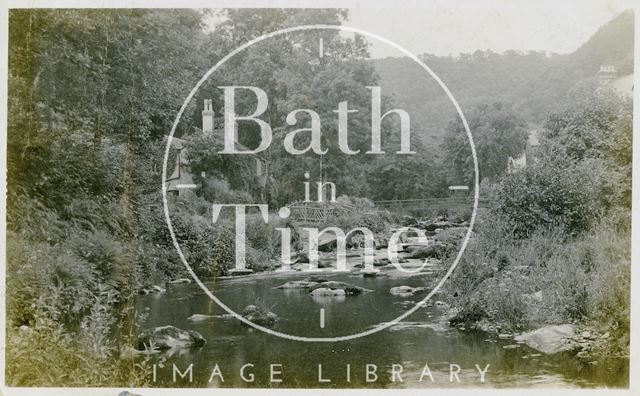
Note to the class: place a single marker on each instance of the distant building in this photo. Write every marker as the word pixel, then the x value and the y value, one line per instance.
pixel 520 162
pixel 181 181
pixel 622 85
pixel 516 164
pixel 606 75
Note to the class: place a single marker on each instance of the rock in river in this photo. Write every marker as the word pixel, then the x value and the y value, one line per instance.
pixel 550 339
pixel 152 290
pixel 259 315
pixel 405 290
pixel 178 281
pixel 349 289
pixel 326 292
pixel 169 337
pixel 199 317
pixel 301 284
pixel 381 262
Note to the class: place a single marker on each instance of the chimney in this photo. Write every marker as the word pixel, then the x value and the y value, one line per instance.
pixel 207 116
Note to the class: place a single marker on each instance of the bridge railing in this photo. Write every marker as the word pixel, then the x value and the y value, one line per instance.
pixel 406 206
pixel 424 201
pixel 313 212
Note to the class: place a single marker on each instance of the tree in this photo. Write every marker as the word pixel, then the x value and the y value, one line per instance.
pixel 598 125
pixel 553 191
pixel 497 133
pixel 291 71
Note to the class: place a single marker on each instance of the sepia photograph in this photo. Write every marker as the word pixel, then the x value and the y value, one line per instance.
pixel 295 197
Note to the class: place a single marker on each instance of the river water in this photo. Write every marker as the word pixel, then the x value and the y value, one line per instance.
pixel 420 345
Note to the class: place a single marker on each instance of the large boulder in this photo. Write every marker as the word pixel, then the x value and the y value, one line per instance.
pixel 371 273
pixel 169 337
pixel 200 317
pixel 381 262
pixel 301 284
pixel 550 339
pixel 179 281
pixel 405 291
pixel 349 289
pixel 259 315
pixel 306 283
pixel 434 250
pixel 326 292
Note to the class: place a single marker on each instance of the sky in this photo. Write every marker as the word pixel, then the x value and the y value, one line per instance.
pixel 449 28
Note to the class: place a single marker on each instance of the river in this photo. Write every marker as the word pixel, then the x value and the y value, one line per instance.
pixel 420 345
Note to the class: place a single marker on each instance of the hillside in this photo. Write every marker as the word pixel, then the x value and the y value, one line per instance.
pixel 532 83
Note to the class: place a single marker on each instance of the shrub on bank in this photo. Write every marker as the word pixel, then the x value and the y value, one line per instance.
pixel 555 191
pixel 520 284
pixel 62 309
pixel 47 354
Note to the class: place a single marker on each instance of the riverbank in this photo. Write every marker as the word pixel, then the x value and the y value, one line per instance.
pixel 508 286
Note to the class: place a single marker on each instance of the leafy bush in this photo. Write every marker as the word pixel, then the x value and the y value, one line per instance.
pixel 111 260
pixel 62 316
pixel 223 254
pixel 218 191
pixel 47 354
pixel 553 191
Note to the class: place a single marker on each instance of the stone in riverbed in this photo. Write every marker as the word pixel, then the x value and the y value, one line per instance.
pixel 155 289
pixel 550 339
pixel 435 250
pixel 381 262
pixel 405 290
pixel 179 281
pixel 199 317
pixel 317 278
pixel 349 289
pixel 259 316
pixel 169 337
pixel 301 284
pixel 326 292
pixel 240 272
pixel 371 273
